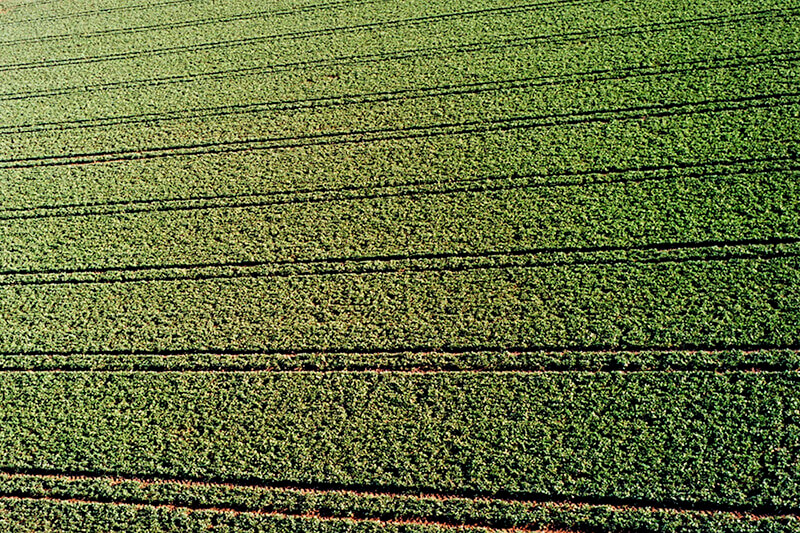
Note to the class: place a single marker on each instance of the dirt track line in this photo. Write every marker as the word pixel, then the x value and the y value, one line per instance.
pixel 657 247
pixel 265 14
pixel 553 39
pixel 417 132
pixel 414 371
pixel 403 265
pixel 424 350
pixel 561 178
pixel 78 14
pixel 189 23
pixel 293 35
pixel 411 190
pixel 373 492
pixel 274 514
pixel 397 55
pixel 414 93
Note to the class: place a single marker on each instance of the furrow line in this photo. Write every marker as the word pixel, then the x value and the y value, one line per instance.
pixel 311 515
pixel 724 63
pixel 579 174
pixel 768 101
pixel 305 34
pixel 417 350
pixel 367 491
pixel 657 247
pixel 289 273
pixel 367 192
pixel 388 264
pixel 623 31
pixel 419 370
pixel 233 18
pixel 91 12
pixel 413 53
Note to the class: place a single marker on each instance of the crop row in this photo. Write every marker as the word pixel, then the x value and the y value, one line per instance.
pixel 263 26
pixel 362 118
pixel 266 40
pixel 680 438
pixel 785 102
pixel 41 19
pixel 677 299
pixel 658 253
pixel 752 66
pixel 389 71
pixel 441 38
pixel 404 188
pixel 629 210
pixel 79 517
pixel 540 152
pixel 80 31
pixel 483 359
pixel 387 509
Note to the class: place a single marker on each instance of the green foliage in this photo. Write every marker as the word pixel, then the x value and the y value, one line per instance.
pixel 674 436
pixel 200 503
pixel 657 300
pixel 382 265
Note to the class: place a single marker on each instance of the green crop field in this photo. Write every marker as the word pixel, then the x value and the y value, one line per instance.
pixel 369 266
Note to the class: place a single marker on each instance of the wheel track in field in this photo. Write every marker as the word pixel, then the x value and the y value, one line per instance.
pixel 411 189
pixel 561 38
pixel 414 53
pixel 222 364
pixel 661 253
pixel 190 23
pixel 377 491
pixel 293 35
pixel 238 18
pixel 88 13
pixel 437 360
pixel 624 73
pixel 312 515
pixel 332 138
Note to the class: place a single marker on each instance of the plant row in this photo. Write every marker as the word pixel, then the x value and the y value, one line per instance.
pixel 196 500
pixel 681 300
pixel 652 439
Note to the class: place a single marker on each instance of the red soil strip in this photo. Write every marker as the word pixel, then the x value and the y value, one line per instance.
pixel 306 516
pixel 741 515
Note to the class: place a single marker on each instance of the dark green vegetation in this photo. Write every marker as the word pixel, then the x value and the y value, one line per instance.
pixel 380 265
pixel 199 505
pixel 608 438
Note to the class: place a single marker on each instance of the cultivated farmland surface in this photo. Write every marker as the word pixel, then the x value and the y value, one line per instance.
pixel 400 265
